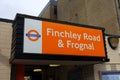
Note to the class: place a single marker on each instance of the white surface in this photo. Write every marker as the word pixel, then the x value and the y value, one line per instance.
pixel 30 46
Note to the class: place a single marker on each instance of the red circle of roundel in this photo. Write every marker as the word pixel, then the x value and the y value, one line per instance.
pixel 30 38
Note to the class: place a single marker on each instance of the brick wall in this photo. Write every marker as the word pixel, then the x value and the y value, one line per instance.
pixel 113 65
pixel 5 47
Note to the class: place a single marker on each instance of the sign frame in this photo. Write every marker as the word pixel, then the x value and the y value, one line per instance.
pixel 109 74
pixel 18 41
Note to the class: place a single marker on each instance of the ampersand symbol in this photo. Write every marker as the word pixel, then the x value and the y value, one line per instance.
pixel 60 43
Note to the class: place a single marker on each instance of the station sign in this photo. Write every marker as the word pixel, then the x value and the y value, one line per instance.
pixel 51 38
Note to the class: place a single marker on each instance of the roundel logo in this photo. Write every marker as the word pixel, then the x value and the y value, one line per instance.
pixel 33 35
